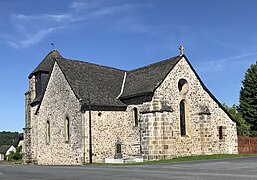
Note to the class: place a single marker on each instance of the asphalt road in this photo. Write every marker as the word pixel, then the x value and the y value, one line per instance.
pixel 226 169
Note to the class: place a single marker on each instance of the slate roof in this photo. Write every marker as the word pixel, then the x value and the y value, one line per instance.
pixel 4 149
pixel 47 63
pixel 146 79
pixel 101 82
pixel 104 83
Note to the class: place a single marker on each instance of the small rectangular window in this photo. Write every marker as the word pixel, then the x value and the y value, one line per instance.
pixel 48 131
pixel 220 132
pixel 135 116
pixel 67 130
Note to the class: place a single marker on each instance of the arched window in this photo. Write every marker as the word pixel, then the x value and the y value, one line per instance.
pixel 48 131
pixel 183 86
pixel 118 154
pixel 182 118
pixel 118 148
pixel 220 132
pixel 135 114
pixel 67 129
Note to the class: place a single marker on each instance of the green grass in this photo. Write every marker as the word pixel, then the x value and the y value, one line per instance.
pixel 183 159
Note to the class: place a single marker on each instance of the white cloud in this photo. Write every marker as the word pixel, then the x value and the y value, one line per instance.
pixel 42 17
pixel 239 56
pixel 12 44
pixel 220 64
pixel 83 5
pixel 113 9
pixel 30 39
pixel 78 5
pixel 35 38
pixel 31 29
pixel 59 17
pixel 22 16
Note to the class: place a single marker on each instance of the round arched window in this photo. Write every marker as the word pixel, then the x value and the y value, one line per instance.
pixel 183 86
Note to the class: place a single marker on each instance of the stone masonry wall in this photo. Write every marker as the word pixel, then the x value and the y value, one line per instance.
pixel 109 128
pixel 26 150
pixel 30 130
pixel 58 103
pixel 162 138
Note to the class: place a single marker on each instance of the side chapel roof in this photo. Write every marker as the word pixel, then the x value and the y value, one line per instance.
pixel 146 79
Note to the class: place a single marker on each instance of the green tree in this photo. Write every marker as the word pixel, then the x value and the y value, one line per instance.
pixel 243 128
pixel 248 98
pixel 15 156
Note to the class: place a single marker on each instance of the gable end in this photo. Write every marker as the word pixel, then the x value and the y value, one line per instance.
pixel 207 90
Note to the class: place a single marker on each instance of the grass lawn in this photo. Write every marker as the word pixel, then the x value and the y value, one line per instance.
pixel 184 159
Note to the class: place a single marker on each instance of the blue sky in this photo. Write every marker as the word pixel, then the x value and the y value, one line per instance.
pixel 219 38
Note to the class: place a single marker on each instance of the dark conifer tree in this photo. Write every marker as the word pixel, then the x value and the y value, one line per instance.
pixel 248 98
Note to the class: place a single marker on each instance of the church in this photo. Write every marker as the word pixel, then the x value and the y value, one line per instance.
pixel 79 112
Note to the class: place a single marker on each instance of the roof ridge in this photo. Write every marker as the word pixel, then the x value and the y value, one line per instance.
pixel 155 63
pixel 86 62
pixel 54 50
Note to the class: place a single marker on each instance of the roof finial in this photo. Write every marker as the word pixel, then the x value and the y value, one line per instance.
pixel 52 44
pixel 181 48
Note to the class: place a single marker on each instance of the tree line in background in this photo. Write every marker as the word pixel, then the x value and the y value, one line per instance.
pixel 9 138
pixel 245 114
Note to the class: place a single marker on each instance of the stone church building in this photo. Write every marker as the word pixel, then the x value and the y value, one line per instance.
pixel 77 112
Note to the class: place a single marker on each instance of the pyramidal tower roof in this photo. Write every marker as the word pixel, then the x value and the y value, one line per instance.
pixel 47 63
